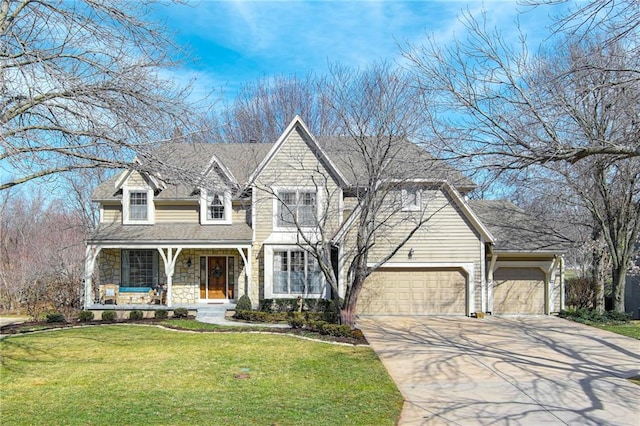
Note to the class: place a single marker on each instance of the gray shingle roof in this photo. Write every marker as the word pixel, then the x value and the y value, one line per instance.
pixel 193 233
pixel 408 160
pixel 178 163
pixel 515 230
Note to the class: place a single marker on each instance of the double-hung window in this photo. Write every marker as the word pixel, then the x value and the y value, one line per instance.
pixel 139 268
pixel 138 205
pixel 296 272
pixel 297 208
pixel 215 207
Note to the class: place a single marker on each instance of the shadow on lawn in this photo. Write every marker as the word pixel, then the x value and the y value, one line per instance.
pixel 508 370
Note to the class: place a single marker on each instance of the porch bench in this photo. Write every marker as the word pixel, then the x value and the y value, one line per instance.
pixel 134 295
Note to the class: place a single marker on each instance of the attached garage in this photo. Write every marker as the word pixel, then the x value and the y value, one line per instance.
pixel 412 291
pixel 518 291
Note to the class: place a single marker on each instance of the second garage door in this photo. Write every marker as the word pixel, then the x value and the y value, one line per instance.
pixel 407 291
pixel 518 291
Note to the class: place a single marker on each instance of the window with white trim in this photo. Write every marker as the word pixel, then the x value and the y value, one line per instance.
pixel 411 199
pixel 296 272
pixel 215 207
pixel 297 207
pixel 138 205
pixel 139 268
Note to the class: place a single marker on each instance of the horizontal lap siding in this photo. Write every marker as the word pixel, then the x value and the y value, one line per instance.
pixel 445 238
pixel 136 180
pixel 294 165
pixel 240 214
pixel 177 213
pixel 111 213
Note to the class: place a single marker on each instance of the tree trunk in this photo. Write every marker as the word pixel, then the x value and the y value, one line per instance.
pixel 618 286
pixel 597 271
pixel 348 312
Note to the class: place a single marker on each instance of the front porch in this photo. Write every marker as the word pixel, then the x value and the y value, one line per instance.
pixel 152 277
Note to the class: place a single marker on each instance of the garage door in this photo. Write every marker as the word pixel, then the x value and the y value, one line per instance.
pixel 518 291
pixel 407 291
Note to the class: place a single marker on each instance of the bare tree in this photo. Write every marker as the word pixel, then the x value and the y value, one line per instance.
pixel 616 19
pixel 263 108
pixel 572 110
pixel 42 255
pixel 82 86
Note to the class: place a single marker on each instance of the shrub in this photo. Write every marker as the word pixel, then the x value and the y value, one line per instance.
pixel 109 315
pixel 244 303
pixel 180 313
pixel 136 315
pixel 314 325
pixel 266 305
pixel 336 330
pixel 586 316
pixel 296 320
pixel 55 317
pixel 85 316
pixel 614 316
pixel 161 314
pixel 257 316
pixel 581 292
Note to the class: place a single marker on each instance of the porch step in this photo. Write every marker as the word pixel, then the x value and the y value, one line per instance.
pixel 214 314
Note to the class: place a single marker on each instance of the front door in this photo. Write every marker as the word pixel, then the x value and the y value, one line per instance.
pixel 217 278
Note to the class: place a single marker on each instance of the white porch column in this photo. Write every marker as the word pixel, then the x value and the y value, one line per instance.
pixel 490 270
pixel 247 268
pixel 91 254
pixel 483 277
pixel 169 268
pixel 549 275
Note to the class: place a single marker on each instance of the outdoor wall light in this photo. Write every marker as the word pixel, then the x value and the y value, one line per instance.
pixel 189 263
pixel 410 255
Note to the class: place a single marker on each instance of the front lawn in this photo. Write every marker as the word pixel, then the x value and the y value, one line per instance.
pixel 127 374
pixel 630 329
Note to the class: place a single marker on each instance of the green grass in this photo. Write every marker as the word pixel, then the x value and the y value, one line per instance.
pixel 124 374
pixel 630 329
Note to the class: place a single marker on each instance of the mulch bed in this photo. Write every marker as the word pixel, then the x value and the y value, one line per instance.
pixel 32 327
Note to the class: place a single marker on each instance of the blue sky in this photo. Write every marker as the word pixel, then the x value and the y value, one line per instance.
pixel 235 42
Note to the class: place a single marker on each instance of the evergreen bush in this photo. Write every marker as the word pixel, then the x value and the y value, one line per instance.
pixel 109 315
pixel 244 303
pixel 85 316
pixel 136 315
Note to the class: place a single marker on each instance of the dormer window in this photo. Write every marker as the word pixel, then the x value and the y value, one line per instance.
pixel 137 206
pixel 215 207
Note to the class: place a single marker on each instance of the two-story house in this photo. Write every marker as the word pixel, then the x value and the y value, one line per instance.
pixel 237 228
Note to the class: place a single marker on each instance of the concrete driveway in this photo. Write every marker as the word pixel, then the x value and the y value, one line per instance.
pixel 507 370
